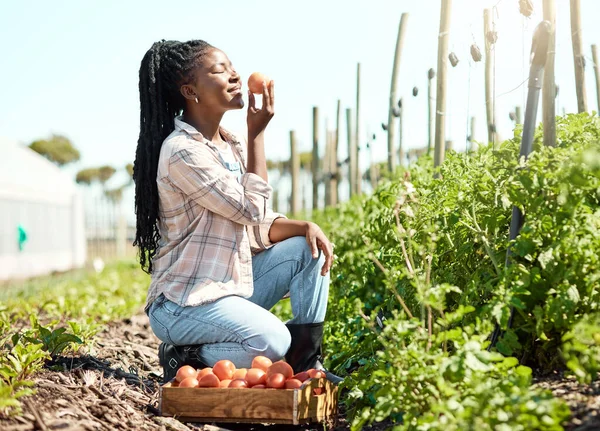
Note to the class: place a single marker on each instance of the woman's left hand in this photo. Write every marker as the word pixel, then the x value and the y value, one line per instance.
pixel 316 240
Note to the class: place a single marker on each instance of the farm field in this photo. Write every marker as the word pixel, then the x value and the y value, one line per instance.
pixel 421 256
pixel 113 385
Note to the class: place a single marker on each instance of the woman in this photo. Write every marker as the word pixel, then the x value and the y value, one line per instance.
pixel 218 256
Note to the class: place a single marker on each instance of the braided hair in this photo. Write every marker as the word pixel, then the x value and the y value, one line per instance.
pixel 164 69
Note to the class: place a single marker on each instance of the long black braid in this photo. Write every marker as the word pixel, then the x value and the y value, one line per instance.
pixel 166 66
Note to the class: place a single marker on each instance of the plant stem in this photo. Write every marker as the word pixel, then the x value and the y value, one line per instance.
pixel 485 241
pixel 429 326
pixel 393 290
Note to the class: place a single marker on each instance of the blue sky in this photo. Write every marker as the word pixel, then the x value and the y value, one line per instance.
pixel 71 67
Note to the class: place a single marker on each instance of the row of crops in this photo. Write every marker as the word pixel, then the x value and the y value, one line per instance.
pixel 58 316
pixel 419 283
pixel 427 252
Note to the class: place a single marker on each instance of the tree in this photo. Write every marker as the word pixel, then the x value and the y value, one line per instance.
pixel 105 173
pixel 115 195
pixel 129 169
pixel 87 176
pixel 58 149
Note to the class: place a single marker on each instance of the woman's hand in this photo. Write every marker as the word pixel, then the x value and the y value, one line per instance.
pixel 259 118
pixel 317 240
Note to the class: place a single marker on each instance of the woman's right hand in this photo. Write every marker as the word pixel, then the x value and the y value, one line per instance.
pixel 259 118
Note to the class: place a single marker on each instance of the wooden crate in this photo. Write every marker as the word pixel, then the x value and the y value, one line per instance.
pixel 278 406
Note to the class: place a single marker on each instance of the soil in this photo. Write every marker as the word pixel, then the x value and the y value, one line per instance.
pixel 115 387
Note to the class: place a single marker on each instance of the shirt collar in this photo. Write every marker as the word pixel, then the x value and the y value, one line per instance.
pixel 191 130
pixel 195 134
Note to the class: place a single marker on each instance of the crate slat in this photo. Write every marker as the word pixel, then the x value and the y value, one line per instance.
pixel 228 405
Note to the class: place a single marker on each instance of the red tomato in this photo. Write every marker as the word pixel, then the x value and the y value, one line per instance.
pixel 259 387
pixel 302 376
pixel 224 383
pixel 209 381
pixel 238 383
pixel 281 367
pixel 316 374
pixel 224 369
pixel 261 362
pixel 240 373
pixel 189 382
pixel 203 372
pixel 185 372
pixel 256 376
pixel 276 381
pixel 255 82
pixel 293 384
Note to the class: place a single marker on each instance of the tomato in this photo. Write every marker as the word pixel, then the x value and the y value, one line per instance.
pixel 189 382
pixel 316 374
pixel 259 387
pixel 255 84
pixel 209 381
pixel 256 376
pixel 261 362
pixel 204 371
pixel 276 380
pixel 281 367
pixel 224 383
pixel 293 384
pixel 302 376
pixel 224 369
pixel 240 373
pixel 238 383
pixel 185 372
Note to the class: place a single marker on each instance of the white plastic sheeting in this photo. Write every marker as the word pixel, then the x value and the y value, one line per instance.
pixel 38 199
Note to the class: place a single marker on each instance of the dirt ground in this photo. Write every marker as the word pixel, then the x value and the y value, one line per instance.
pixel 116 388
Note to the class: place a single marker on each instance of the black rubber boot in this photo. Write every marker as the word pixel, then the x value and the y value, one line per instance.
pixel 171 358
pixel 305 351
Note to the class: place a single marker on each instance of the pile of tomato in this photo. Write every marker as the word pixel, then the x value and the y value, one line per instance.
pixel 263 374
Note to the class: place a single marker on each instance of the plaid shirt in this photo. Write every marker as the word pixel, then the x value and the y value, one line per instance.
pixel 210 223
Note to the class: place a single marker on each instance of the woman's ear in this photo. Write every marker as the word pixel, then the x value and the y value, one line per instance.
pixel 189 92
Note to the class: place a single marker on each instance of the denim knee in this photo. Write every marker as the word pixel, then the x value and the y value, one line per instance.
pixel 304 250
pixel 277 342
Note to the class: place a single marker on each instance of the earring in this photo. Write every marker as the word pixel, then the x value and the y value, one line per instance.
pixel 196 99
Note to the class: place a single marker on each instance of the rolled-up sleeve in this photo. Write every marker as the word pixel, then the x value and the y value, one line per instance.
pixel 258 235
pixel 200 176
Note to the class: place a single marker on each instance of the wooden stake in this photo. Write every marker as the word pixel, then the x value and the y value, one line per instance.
pixel 303 206
pixel 351 153
pixel 597 74
pixel 327 164
pixel 519 118
pixel 295 169
pixel 401 154
pixel 442 66
pixel 333 162
pixel 373 167
pixel 430 110
pixel 549 86
pixel 391 123
pixel 489 70
pixel 578 58
pixel 315 159
pixel 358 178
pixel 472 139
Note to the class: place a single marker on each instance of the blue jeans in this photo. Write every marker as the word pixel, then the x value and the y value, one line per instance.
pixel 239 329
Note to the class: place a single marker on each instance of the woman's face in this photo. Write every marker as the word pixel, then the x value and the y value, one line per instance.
pixel 217 84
